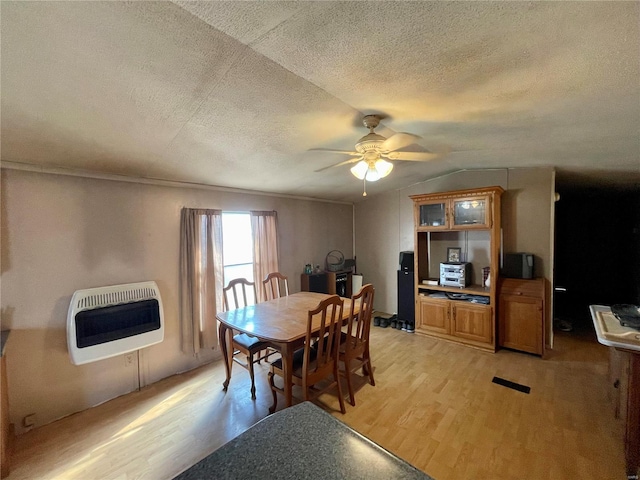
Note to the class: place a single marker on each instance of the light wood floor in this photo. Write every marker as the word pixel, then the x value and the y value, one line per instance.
pixel 433 404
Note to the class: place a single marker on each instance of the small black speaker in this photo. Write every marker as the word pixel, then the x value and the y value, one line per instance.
pixel 406 261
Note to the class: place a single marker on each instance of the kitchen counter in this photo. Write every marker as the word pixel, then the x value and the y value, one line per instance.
pixel 625 339
pixel 302 441
pixel 610 332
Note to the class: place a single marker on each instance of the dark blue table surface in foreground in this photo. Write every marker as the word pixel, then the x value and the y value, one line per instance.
pixel 299 442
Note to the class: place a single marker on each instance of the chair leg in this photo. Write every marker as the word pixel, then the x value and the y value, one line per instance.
pixel 267 353
pixel 272 408
pixel 253 381
pixel 347 374
pixel 369 369
pixel 336 377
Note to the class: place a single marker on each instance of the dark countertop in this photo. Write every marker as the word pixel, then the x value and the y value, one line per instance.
pixel 302 441
pixel 4 334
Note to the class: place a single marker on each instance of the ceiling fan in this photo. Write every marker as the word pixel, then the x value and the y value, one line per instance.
pixel 373 149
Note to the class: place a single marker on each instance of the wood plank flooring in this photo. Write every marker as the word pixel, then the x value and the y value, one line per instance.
pixel 434 405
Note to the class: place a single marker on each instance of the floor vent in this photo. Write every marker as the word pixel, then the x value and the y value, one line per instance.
pixel 513 385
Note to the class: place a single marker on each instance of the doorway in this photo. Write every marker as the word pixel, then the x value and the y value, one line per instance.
pixel 597 255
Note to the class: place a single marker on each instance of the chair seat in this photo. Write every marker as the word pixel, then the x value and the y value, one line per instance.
pixel 248 342
pixel 354 342
pixel 298 360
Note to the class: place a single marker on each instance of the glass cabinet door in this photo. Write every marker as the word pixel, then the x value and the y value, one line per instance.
pixel 471 212
pixel 433 215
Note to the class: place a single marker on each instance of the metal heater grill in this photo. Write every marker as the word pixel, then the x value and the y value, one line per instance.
pixel 99 299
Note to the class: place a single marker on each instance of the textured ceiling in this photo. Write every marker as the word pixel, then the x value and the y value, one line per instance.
pixel 234 94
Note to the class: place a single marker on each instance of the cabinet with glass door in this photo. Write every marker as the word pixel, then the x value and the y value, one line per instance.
pixel 466 212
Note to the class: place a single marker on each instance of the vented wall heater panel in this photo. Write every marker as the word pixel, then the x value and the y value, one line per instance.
pixel 108 321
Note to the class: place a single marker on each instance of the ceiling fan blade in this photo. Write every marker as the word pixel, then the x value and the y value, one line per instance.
pixel 345 152
pixel 399 140
pixel 411 156
pixel 339 164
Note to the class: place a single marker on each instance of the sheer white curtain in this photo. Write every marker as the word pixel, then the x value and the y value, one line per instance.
pixel 264 228
pixel 201 272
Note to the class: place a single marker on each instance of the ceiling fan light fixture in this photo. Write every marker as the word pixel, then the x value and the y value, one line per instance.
pixel 372 171
pixel 383 168
pixel 360 170
pixel 372 149
pixel 372 174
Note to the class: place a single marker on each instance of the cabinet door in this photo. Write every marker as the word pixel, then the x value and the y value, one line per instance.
pixel 472 322
pixel 471 212
pixel 521 323
pixel 433 215
pixel 435 315
pixel 316 282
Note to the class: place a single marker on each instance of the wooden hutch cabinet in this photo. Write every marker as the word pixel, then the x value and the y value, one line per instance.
pixel 468 220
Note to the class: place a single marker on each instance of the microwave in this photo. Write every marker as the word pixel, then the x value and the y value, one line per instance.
pixel 518 265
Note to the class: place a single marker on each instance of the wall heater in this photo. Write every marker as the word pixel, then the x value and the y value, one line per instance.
pixel 107 321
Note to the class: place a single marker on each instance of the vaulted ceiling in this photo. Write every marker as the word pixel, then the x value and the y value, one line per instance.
pixel 235 94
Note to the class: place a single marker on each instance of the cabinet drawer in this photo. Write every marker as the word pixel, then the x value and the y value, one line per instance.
pixel 526 288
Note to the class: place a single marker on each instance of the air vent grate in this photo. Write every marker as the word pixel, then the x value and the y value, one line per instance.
pixel 115 298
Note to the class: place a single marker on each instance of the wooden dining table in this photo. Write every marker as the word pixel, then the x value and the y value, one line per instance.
pixel 281 322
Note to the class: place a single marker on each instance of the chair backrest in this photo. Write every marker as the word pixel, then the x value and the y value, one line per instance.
pixel 275 285
pixel 360 314
pixel 328 317
pixel 237 290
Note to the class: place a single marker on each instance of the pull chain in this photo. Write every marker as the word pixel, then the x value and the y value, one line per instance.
pixel 364 187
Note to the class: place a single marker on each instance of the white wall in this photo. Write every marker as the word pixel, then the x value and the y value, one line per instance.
pixel 63 233
pixel 384 224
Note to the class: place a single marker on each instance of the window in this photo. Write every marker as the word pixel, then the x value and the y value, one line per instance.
pixel 237 247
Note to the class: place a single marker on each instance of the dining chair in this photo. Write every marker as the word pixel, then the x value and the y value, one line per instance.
pixel 275 285
pixel 354 344
pixel 236 296
pixel 318 359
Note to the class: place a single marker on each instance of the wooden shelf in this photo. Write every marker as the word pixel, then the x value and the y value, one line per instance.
pixel 470 289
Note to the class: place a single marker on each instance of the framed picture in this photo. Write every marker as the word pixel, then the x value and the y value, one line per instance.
pixel 453 254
